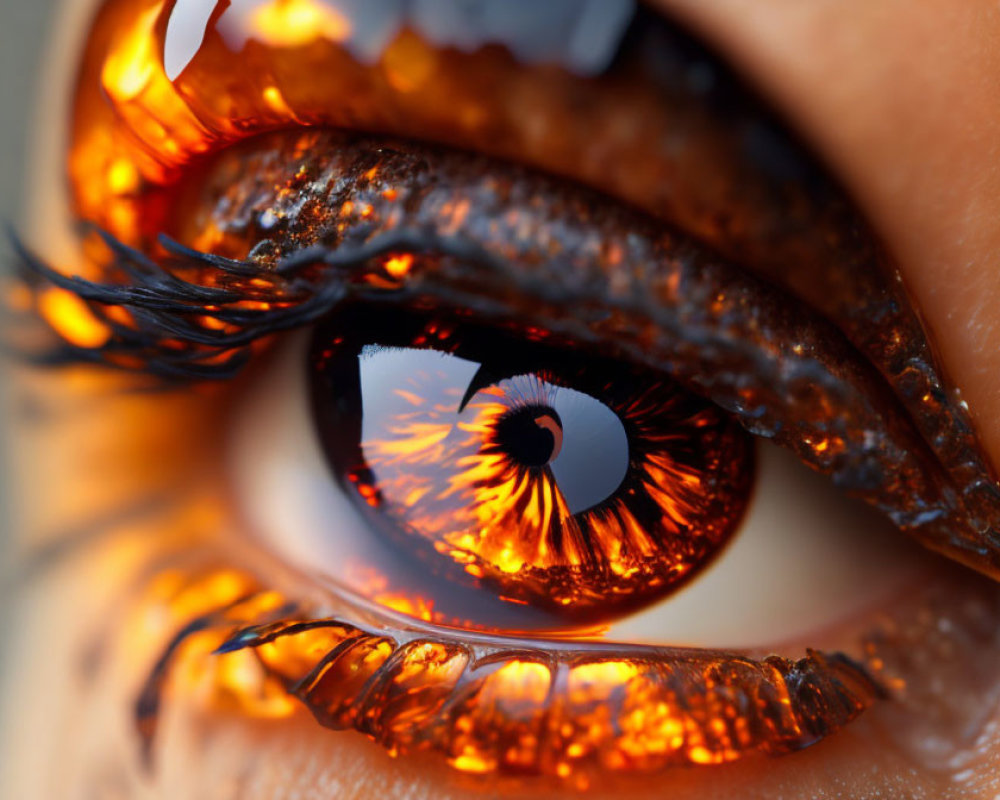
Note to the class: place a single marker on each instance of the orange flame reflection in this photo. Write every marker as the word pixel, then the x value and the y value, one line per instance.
pixel 443 476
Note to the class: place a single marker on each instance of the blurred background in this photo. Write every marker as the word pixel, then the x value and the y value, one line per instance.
pixel 23 25
pixel 23 28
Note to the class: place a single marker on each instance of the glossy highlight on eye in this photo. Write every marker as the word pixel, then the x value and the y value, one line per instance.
pixel 556 478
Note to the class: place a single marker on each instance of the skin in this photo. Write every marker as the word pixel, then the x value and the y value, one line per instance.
pixel 898 99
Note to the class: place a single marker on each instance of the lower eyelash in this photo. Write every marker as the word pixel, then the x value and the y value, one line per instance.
pixel 489 705
pixel 182 331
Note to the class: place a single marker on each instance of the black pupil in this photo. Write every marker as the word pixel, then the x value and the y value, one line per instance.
pixel 525 435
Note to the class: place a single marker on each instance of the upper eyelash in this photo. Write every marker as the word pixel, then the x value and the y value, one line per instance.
pixel 168 334
pixel 172 341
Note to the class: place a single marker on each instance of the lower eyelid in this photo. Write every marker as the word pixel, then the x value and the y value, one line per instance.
pixel 935 650
pixel 490 705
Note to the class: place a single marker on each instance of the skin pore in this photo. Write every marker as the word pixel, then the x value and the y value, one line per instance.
pixel 899 101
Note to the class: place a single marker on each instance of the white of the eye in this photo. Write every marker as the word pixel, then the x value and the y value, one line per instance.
pixel 282 479
pixel 804 560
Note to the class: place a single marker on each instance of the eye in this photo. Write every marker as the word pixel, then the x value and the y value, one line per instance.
pixel 536 370
pixel 311 495
pixel 564 481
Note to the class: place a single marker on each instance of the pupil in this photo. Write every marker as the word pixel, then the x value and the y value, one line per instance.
pixel 531 436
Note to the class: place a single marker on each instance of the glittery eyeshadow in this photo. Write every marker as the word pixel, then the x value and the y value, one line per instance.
pixel 556 258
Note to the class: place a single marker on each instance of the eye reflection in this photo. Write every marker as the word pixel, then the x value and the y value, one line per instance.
pixel 555 478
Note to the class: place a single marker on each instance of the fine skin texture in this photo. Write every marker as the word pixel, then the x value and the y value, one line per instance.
pixel 900 100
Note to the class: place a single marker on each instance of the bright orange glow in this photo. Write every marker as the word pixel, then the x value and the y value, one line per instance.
pixel 241 677
pixel 418 608
pixel 399 266
pixel 70 317
pixel 409 63
pixel 471 762
pixel 217 588
pixel 293 23
pixel 528 681
pixel 122 177
pixel 132 66
pixel 601 673
pixel 276 102
pixel 447 477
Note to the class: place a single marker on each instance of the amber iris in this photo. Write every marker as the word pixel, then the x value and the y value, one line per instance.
pixel 580 484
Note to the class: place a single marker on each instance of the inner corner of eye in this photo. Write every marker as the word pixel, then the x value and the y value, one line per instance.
pixel 467 477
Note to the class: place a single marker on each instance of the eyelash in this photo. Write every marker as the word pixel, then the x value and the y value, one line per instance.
pixel 169 335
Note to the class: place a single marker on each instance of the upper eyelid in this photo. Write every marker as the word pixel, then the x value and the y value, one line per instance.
pixel 676 308
pixel 723 123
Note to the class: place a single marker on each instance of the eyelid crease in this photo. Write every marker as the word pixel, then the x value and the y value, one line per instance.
pixel 543 255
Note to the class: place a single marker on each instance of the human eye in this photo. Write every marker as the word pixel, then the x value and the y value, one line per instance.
pixel 567 216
